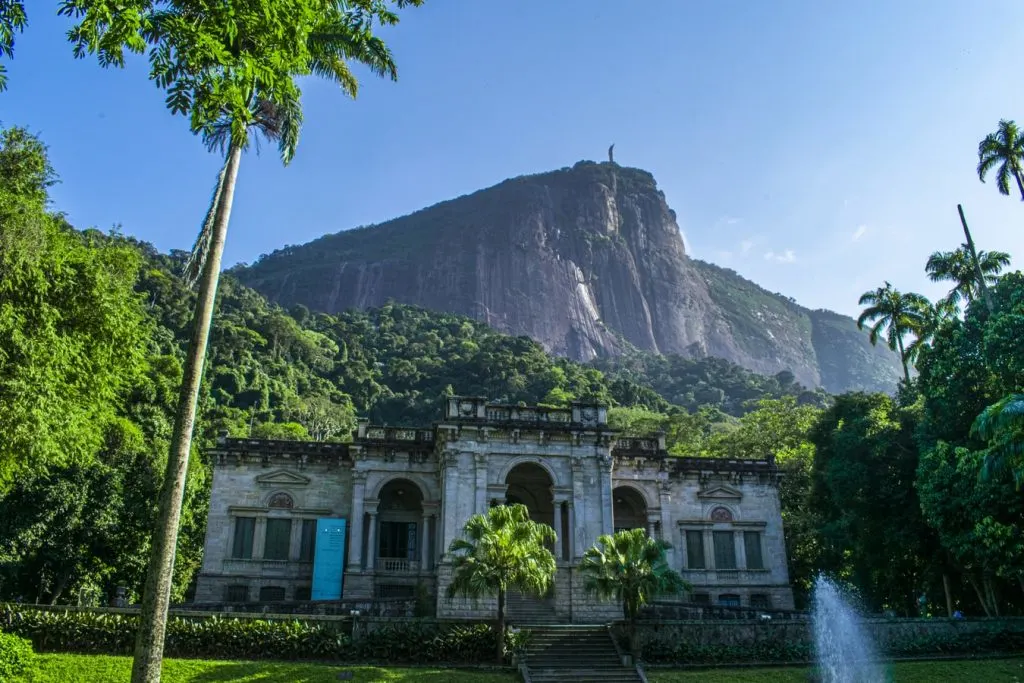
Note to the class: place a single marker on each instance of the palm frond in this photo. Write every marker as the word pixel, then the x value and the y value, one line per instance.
pixel 1004 416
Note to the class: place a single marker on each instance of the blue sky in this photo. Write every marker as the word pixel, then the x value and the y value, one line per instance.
pixel 817 148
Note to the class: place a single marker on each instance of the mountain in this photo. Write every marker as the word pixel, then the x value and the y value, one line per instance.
pixel 589 261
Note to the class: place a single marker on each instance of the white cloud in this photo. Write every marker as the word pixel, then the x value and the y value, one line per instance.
pixel 746 246
pixel 786 256
pixel 859 232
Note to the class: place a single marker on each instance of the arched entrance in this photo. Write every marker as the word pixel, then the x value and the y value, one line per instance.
pixel 529 484
pixel 399 516
pixel 629 509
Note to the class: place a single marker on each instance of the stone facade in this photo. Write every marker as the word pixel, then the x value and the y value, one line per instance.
pixel 408 493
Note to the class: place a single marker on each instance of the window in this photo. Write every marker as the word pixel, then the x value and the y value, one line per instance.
pixel 702 598
pixel 396 591
pixel 307 548
pixel 302 593
pixel 695 550
pixel 729 600
pixel 752 544
pixel 725 550
pixel 279 538
pixel 272 594
pixel 241 549
pixel 760 601
pixel 398 540
pixel 237 594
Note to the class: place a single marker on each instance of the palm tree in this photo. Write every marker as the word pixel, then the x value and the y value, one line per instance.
pixel 501 551
pixel 932 318
pixel 630 567
pixel 1004 148
pixel 235 75
pixel 958 267
pixel 1002 425
pixel 895 313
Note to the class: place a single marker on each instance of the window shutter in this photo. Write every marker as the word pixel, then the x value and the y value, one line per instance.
pixel 279 533
pixel 695 550
pixel 752 544
pixel 725 550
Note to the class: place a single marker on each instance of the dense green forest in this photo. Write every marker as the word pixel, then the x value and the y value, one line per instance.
pixel 898 496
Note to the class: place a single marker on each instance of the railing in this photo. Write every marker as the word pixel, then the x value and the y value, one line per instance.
pixel 527 414
pixel 637 445
pixel 395 565
pixel 401 434
pixel 686 611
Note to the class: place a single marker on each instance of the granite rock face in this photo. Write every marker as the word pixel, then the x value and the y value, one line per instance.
pixel 588 261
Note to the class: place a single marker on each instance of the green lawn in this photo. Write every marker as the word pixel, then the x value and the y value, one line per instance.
pixel 981 671
pixel 102 669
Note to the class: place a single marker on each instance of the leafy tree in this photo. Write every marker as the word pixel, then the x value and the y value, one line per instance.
pixel 932 316
pixel 1005 149
pixel 895 313
pixel 862 487
pixel 781 429
pixel 232 71
pixel 1002 426
pixel 978 518
pixel 72 331
pixel 958 267
pixel 12 20
pixel 501 551
pixel 630 567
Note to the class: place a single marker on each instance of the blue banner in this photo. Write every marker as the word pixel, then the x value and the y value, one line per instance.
pixel 328 558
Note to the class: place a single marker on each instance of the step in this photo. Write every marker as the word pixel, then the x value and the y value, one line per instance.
pixel 583 676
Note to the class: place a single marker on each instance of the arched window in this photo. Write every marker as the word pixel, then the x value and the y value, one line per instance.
pixel 721 514
pixel 281 500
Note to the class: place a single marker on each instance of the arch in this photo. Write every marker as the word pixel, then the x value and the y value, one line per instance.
pixel 280 500
pixel 721 514
pixel 529 460
pixel 649 501
pixel 629 508
pixel 400 495
pixel 425 489
pixel 530 483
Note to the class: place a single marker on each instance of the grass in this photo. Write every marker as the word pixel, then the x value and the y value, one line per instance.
pixel 982 671
pixel 104 669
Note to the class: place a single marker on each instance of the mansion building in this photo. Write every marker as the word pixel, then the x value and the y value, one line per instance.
pixel 372 519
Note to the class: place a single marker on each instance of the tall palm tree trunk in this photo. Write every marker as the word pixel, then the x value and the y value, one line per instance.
pixel 149 641
pixel 974 258
pixel 903 359
pixel 501 625
pixel 949 594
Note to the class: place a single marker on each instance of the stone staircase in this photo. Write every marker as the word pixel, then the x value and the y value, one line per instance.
pixel 580 654
pixel 526 610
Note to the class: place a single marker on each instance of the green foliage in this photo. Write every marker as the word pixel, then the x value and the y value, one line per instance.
pixel 630 567
pixel 12 20
pixel 420 642
pixel 16 656
pixel 1005 149
pixel 872 533
pixel 958 267
pixel 72 331
pixel 1002 426
pixel 894 313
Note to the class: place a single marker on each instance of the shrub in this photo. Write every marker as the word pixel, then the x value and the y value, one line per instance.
pixel 16 656
pixel 219 637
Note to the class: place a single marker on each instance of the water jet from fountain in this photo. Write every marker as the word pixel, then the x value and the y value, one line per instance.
pixel 843 649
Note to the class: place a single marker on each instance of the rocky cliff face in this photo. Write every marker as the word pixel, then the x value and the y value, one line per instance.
pixel 588 261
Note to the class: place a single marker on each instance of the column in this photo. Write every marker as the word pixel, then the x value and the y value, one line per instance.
pixel 355 523
pixel 741 550
pixel 371 541
pixel 652 530
pixel 450 513
pixel 559 541
pixel 295 540
pixel 668 532
pixel 579 523
pixel 570 538
pixel 425 542
pixel 481 483
pixel 604 481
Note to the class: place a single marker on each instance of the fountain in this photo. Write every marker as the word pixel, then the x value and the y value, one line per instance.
pixel 843 649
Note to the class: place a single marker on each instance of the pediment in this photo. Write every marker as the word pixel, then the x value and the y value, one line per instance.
pixel 282 478
pixel 720 493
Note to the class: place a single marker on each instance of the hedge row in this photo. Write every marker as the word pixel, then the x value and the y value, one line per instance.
pixel 673 647
pixel 16 656
pixel 219 637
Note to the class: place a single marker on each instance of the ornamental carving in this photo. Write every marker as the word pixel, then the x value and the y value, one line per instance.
pixel 721 514
pixel 281 500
